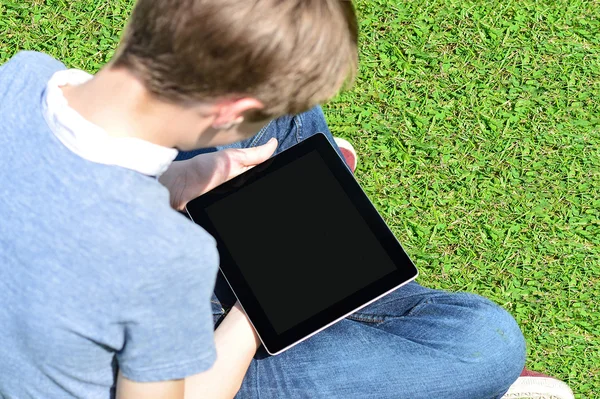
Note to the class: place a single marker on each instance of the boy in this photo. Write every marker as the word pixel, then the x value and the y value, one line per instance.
pixel 105 290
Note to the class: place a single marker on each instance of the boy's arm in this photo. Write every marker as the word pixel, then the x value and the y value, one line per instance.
pixel 127 389
pixel 236 344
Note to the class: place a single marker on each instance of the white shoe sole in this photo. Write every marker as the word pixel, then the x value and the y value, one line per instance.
pixel 539 388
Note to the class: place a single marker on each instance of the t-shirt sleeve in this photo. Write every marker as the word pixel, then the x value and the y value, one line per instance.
pixel 169 330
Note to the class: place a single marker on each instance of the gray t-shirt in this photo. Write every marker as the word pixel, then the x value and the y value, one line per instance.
pixel 96 269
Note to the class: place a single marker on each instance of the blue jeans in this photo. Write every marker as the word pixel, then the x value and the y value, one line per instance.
pixel 413 343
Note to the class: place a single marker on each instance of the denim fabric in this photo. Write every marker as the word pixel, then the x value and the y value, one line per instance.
pixel 413 343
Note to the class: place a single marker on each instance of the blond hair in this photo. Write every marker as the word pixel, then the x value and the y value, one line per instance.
pixel 289 54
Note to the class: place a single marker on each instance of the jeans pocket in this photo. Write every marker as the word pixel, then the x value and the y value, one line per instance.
pixel 366 318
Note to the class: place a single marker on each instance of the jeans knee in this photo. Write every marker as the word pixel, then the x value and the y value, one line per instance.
pixel 503 346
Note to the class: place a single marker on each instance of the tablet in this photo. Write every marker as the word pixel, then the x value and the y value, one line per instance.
pixel 301 245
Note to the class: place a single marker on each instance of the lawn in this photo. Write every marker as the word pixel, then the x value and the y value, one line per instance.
pixel 478 130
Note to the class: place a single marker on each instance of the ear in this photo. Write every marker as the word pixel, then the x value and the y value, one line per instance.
pixel 231 112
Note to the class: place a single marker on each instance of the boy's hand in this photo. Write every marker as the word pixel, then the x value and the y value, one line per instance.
pixel 189 179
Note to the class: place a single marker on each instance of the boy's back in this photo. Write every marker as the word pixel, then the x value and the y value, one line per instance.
pixel 91 256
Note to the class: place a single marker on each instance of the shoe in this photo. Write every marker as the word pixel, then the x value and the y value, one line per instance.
pixel 348 152
pixel 533 385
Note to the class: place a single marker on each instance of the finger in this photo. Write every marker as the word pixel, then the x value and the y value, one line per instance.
pixel 256 155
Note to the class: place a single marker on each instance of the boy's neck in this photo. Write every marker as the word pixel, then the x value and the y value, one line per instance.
pixel 117 102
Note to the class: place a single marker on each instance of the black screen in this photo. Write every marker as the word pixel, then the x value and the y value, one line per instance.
pixel 299 241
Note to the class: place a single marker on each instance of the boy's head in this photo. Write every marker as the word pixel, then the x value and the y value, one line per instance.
pixel 289 55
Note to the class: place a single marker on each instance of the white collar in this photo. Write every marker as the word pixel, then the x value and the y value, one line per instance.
pixel 93 143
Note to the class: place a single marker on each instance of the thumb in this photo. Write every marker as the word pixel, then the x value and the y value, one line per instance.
pixel 259 154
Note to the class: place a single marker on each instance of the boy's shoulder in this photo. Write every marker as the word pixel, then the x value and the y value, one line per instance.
pixel 25 67
pixel 27 61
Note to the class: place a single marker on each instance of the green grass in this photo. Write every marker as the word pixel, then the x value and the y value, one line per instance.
pixel 478 130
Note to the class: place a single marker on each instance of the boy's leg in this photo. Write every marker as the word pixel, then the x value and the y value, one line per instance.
pixel 413 343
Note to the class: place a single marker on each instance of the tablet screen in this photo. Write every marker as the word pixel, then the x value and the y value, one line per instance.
pixel 299 242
